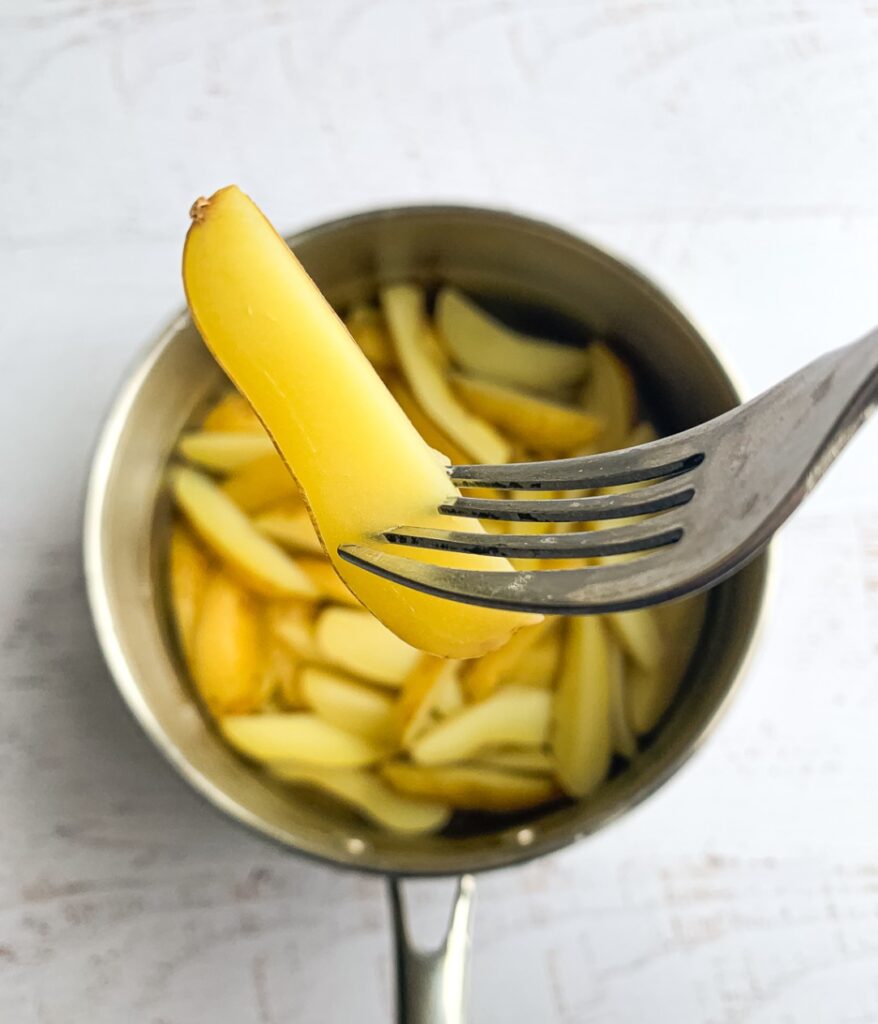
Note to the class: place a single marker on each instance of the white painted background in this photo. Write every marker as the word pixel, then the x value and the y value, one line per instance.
pixel 729 148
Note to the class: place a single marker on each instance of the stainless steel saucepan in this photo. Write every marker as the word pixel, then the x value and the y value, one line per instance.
pixel 550 281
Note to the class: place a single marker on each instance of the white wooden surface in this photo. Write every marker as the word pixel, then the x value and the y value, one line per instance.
pixel 731 148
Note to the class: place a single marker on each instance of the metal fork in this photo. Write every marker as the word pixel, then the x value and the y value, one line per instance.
pixel 718 493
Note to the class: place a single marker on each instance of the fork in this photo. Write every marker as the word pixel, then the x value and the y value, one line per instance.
pixel 715 496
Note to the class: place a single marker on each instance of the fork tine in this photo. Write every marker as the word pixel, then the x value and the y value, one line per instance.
pixel 667 456
pixel 595 589
pixel 652 533
pixel 653 498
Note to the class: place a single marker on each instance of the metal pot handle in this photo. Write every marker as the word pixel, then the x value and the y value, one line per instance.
pixel 432 986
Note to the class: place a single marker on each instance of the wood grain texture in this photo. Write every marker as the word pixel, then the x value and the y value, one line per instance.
pixel 730 148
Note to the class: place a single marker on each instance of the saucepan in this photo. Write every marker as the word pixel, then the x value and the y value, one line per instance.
pixel 552 282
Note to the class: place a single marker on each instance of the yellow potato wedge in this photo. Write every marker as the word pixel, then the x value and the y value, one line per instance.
pixel 624 741
pixel 431 691
pixel 223 452
pixel 328 582
pixel 639 634
pixel 224 527
pixel 370 795
pixel 299 736
pixel 545 426
pixel 539 665
pixel 348 704
pixel 188 572
pixel 471 788
pixel 581 739
pixel 512 716
pixel 262 484
pixel 610 395
pixel 485 347
pixel 358 643
pixel 330 414
pixel 292 622
pixel 227 664
pixel 435 437
pixel 649 693
pixel 482 676
pixel 367 328
pixel 281 676
pixel 526 761
pixel 420 357
pixel 290 527
pixel 233 413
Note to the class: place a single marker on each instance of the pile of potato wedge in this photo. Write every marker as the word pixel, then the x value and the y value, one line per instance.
pixel 301 679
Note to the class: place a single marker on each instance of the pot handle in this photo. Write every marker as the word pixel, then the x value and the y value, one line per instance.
pixel 432 986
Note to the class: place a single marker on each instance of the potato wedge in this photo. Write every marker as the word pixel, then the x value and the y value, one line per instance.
pixel 367 328
pixel 280 676
pixel 299 736
pixel 545 426
pixel 649 693
pixel 328 582
pixel 223 452
pixel 292 623
pixel 262 484
pixel 639 634
pixel 430 692
pixel 624 741
pixel 581 739
pixel 291 527
pixel 482 676
pixel 233 413
pixel 348 704
pixel 512 716
pixel 539 665
pixel 227 665
pixel 610 395
pixel 358 643
pixel 527 761
pixel 435 437
pixel 471 788
pixel 370 795
pixel 188 572
pixel 420 357
pixel 225 528
pixel 482 345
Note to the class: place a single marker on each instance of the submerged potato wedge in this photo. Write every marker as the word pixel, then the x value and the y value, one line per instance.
pixel 512 716
pixel 188 572
pixel 233 413
pixel 348 704
pixel 482 345
pixel 224 452
pixel 420 357
pixel 358 643
pixel 367 328
pixel 285 349
pixel 290 526
pixel 430 692
pixel 545 426
pixel 327 581
pixel 622 736
pixel 436 438
pixel 292 623
pixel 471 787
pixel 539 665
pixel 226 663
pixel 527 761
pixel 609 394
pixel 298 736
pixel 482 677
pixel 640 636
pixel 262 484
pixel 371 797
pixel 581 731
pixel 225 528
pixel 280 675
pixel 649 693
